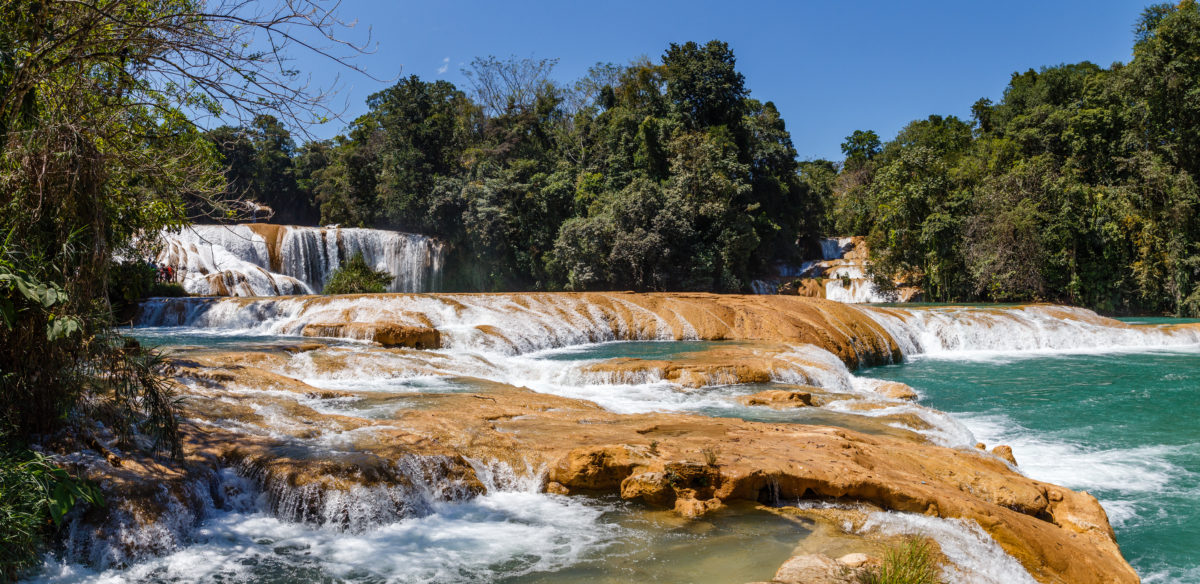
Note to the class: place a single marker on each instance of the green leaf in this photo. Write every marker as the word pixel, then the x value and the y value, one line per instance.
pixel 61 327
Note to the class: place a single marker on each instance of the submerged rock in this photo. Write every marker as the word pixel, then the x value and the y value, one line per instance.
pixel 896 390
pixel 695 508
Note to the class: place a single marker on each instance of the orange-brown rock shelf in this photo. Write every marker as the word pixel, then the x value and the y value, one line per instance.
pixel 246 409
pixel 843 330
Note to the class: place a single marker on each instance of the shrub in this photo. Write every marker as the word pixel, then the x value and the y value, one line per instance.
pixel 167 290
pixel 356 277
pixel 55 365
pixel 132 281
pixel 911 562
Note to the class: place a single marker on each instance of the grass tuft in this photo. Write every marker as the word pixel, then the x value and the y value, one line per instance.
pixel 911 562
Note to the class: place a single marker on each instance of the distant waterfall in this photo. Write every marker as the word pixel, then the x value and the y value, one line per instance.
pixel 833 248
pixel 272 260
pixel 762 287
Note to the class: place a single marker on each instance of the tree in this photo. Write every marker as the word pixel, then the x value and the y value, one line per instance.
pixel 425 129
pixel 861 147
pixel 704 85
pixel 99 145
pixel 259 167
pixel 356 277
pixel 502 86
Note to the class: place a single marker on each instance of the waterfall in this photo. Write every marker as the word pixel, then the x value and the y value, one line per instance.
pixel 763 287
pixel 273 260
pixel 522 323
pixel 833 248
pixel 983 331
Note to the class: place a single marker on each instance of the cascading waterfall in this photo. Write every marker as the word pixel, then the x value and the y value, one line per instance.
pixel 273 260
pixel 833 248
pixel 522 323
pixel 963 331
pixel 510 324
pixel 763 287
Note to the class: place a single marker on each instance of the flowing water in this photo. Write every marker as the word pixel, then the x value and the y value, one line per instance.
pixel 1086 402
pixel 1121 426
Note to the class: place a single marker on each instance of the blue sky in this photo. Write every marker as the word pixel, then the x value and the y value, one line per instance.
pixel 830 67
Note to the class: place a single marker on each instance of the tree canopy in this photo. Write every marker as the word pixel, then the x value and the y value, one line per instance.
pixel 1078 186
pixel 649 176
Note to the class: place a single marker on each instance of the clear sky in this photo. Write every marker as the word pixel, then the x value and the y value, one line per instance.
pixel 830 67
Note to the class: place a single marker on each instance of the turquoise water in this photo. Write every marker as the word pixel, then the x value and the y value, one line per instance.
pixel 649 350
pixel 1121 426
pixel 1156 320
pixel 174 337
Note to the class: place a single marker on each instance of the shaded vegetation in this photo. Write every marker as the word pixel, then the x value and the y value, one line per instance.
pixel 35 496
pixel 356 277
pixel 98 147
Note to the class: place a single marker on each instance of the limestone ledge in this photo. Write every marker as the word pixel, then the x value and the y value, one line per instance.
pixel 246 414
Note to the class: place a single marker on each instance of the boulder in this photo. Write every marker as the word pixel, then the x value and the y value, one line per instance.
pixel 384 333
pixel 695 508
pixel 651 487
pixel 778 399
pixel 814 569
pixel 1005 452
pixel 896 390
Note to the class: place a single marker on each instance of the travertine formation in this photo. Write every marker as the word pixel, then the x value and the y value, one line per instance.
pixel 250 410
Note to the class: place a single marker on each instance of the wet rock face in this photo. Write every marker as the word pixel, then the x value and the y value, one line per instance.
pixel 896 390
pixel 386 334
pixel 1005 452
pixel 528 322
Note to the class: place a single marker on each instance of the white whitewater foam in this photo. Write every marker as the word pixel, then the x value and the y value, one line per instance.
pixel 833 248
pixel 500 534
pixel 966 332
pixel 853 290
pixel 234 252
pixel 364 368
pixel 511 530
pixel 525 324
pixel 975 556
pixel 1056 460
